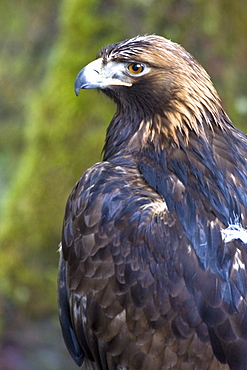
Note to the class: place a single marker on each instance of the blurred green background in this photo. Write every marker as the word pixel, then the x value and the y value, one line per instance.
pixel 49 137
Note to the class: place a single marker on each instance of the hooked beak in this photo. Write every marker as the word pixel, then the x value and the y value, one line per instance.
pixel 93 76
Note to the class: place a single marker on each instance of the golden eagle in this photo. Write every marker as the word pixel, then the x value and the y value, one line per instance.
pixel 153 264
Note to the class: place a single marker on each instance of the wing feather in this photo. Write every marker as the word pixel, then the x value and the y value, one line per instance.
pixel 156 274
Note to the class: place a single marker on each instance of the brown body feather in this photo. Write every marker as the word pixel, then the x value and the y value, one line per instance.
pixel 147 280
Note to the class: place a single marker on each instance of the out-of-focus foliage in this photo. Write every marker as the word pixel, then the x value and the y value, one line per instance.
pixel 27 33
pixel 49 137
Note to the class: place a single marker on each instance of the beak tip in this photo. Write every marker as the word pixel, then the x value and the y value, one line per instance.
pixel 79 82
pixel 77 86
pixel 77 91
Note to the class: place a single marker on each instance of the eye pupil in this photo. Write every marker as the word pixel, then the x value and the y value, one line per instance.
pixel 136 68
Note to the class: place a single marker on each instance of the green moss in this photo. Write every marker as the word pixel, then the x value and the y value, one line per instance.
pixel 63 136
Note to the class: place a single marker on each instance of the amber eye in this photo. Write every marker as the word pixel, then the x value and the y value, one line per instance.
pixel 135 68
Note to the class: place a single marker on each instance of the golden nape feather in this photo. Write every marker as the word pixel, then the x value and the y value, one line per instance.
pixel 152 272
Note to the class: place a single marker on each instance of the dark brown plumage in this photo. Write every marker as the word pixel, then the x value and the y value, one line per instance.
pixel 152 271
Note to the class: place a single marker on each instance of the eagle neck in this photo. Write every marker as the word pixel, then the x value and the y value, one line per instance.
pixel 123 136
pixel 130 133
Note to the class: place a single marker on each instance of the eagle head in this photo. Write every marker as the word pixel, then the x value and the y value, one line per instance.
pixel 153 75
pixel 162 93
